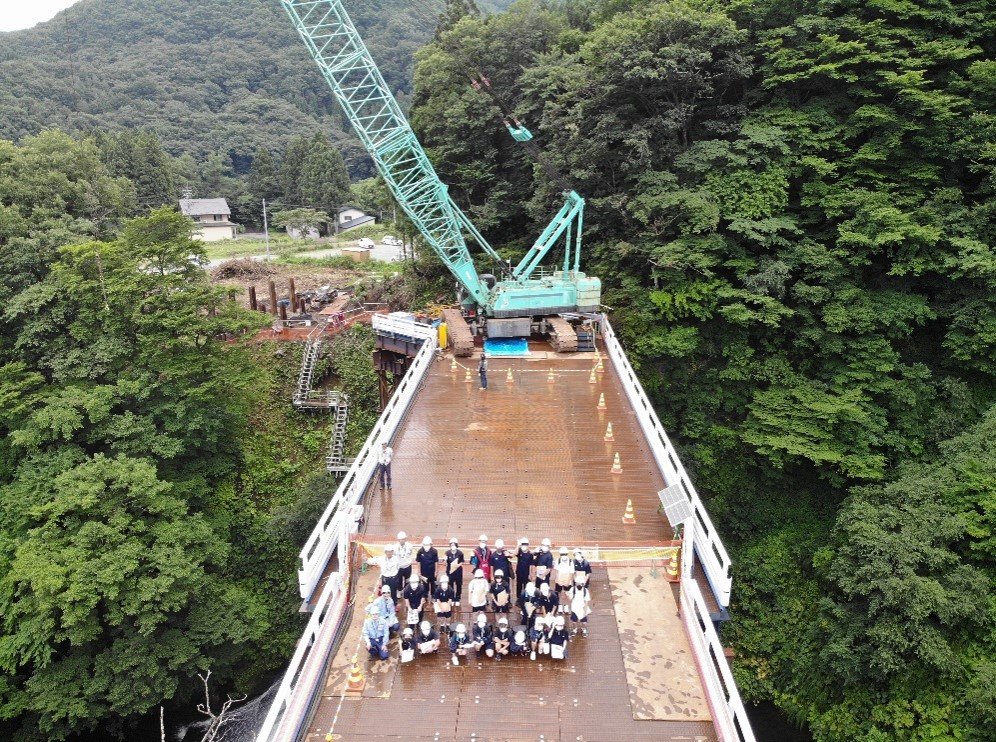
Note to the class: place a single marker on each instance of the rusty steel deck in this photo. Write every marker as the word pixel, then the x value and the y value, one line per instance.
pixel 525 458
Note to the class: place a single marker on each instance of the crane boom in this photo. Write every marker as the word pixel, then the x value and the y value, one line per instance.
pixel 375 115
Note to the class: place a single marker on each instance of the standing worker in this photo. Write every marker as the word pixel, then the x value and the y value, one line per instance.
pixel 565 575
pixel 384 465
pixel 386 608
pixel 481 558
pixel 427 558
pixel 523 566
pixel 501 598
pixel 478 591
pixel 482 369
pixel 454 568
pixel 388 570
pixel 500 560
pixel 406 555
pixel 543 559
pixel 442 604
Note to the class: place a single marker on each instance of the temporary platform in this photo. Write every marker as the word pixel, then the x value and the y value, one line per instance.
pixel 528 457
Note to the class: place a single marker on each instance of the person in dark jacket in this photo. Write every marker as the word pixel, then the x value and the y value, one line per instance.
pixel 459 644
pixel 500 560
pixel 581 566
pixel 482 636
pixel 523 566
pixel 548 602
pixel 454 568
pixel 558 638
pixel 427 558
pixel 501 596
pixel 481 558
pixel 529 604
pixel 543 558
pixel 416 596
pixel 442 603
pixel 503 638
pixel 427 638
pixel 520 644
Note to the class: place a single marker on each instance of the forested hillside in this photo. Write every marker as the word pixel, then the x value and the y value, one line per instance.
pixel 216 77
pixel 792 207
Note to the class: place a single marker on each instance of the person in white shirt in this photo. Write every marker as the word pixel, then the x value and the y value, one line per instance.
pixel 384 465
pixel 406 555
pixel 388 570
pixel 477 592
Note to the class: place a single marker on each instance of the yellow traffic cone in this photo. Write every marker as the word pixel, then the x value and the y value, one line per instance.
pixel 671 568
pixel 608 434
pixel 629 518
pixel 600 367
pixel 616 465
pixel 509 379
pixel 550 377
pixel 356 682
pixel 592 378
pixel 601 401
pixel 453 364
pixel 467 377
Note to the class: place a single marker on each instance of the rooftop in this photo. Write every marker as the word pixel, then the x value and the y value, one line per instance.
pixel 201 206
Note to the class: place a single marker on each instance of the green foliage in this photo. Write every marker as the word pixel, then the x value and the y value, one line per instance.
pixel 302 220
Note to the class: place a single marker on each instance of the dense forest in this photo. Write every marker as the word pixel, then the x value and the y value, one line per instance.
pixel 792 207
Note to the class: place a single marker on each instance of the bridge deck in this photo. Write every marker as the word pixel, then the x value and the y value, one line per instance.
pixel 526 459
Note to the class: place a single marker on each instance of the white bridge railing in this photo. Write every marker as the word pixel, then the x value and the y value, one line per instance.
pixel 730 717
pixel 318 548
pixel 715 560
pixel 402 323
pixel 291 704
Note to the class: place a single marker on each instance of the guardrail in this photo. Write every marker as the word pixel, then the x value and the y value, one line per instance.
pixel 292 701
pixel 715 560
pixel 318 548
pixel 399 323
pixel 730 717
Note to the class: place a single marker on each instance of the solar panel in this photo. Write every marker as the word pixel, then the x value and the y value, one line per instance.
pixel 676 506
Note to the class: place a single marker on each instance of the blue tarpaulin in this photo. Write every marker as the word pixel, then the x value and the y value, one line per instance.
pixel 506 346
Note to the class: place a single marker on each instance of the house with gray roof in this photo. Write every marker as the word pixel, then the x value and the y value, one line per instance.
pixel 212 218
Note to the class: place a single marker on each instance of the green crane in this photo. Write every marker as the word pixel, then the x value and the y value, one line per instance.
pixel 375 115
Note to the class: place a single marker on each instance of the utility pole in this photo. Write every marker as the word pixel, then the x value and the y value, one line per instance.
pixel 266 232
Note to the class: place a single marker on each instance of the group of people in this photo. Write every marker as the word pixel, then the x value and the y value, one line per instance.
pixel 539 591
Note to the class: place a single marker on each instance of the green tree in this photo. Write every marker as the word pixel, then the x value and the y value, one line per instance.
pixel 324 178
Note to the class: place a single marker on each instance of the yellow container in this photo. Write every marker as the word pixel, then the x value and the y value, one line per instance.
pixel 442 334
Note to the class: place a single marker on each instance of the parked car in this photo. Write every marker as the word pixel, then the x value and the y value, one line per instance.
pixel 391 241
pixel 366 243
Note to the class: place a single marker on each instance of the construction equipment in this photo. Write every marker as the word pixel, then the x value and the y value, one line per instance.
pixel 375 115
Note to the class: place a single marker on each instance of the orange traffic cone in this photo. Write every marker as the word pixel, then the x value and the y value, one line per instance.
pixel 629 518
pixel 616 465
pixel 356 682
pixel 601 401
pixel 608 434
pixel 671 568
pixel 550 376
pixel 592 378
pixel 453 364
pixel 467 377
pixel 600 366
pixel 509 379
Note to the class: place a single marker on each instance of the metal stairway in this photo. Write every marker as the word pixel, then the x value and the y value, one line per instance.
pixel 303 397
pixel 336 462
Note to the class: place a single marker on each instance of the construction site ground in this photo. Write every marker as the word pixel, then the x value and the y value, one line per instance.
pixel 528 458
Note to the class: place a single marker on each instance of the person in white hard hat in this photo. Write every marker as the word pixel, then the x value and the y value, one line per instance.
pixel 386 608
pixel 406 555
pixel 548 601
pixel 454 568
pixel 580 603
pixel 477 592
pixel 482 636
pixel 500 560
pixel 481 558
pixel 407 644
pixel 388 564
pixel 416 597
pixel 503 638
pixel 565 574
pixel 543 558
pixel 427 638
pixel 501 596
pixel 459 644
pixel 523 566
pixel 442 602
pixel 427 558
pixel 558 637
pixel 520 644
pixel 375 634
pixel 529 604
